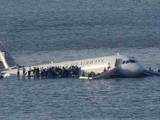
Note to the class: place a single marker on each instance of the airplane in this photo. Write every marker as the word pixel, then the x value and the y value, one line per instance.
pixel 101 67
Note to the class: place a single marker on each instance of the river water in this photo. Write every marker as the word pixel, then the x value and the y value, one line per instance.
pixel 40 31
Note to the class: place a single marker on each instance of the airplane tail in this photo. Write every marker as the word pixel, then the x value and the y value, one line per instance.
pixel 6 61
pixel 3 62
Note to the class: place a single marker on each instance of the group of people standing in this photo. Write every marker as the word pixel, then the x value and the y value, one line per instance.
pixel 52 72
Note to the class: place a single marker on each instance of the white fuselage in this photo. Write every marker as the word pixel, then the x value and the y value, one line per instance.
pixel 128 67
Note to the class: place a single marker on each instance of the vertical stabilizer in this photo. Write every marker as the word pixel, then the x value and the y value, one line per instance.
pixel 3 60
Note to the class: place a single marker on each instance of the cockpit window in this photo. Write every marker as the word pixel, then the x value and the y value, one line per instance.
pixel 132 61
pixel 129 61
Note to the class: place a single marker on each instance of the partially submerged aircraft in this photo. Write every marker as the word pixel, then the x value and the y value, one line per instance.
pixel 102 67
